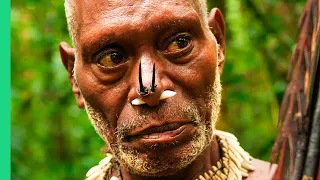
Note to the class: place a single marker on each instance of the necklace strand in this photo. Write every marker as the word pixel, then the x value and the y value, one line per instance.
pixel 234 164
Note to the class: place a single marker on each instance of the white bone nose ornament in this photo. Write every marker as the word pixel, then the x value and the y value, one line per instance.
pixel 165 94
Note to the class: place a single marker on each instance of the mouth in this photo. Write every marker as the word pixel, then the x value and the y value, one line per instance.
pixel 157 132
pixel 165 135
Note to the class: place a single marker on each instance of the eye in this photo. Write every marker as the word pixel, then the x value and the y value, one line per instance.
pixel 178 43
pixel 178 46
pixel 111 59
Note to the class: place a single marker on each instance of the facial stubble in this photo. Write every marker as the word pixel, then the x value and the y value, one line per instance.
pixel 140 163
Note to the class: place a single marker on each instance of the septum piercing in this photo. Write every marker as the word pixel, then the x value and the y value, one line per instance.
pixel 153 85
pixel 142 91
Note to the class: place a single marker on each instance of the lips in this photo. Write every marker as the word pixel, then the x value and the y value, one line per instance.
pixel 156 132
pixel 161 136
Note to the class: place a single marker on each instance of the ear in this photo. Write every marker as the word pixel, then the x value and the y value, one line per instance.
pixel 217 27
pixel 68 59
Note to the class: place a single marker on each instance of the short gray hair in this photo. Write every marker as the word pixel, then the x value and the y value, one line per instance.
pixel 69 7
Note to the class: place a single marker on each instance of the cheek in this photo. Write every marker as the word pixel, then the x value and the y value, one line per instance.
pixel 197 76
pixel 107 98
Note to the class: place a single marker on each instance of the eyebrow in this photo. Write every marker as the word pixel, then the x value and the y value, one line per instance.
pixel 102 35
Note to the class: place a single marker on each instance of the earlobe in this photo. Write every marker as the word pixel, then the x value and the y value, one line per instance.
pixel 217 27
pixel 221 60
pixel 68 59
pixel 77 94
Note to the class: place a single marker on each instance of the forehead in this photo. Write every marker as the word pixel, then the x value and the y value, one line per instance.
pixel 88 9
pixel 91 15
pixel 110 5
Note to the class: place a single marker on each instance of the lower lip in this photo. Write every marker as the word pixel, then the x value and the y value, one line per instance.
pixel 175 137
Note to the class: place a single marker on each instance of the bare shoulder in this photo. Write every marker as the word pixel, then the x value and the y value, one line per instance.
pixel 263 170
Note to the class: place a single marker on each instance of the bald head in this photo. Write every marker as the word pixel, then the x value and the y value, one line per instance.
pixel 73 25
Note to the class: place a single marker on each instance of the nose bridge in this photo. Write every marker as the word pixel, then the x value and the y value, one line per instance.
pixel 147 63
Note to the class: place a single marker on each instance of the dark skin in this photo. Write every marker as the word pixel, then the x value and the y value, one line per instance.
pixel 113 38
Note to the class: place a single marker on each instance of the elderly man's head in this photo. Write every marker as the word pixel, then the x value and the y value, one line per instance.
pixel 112 38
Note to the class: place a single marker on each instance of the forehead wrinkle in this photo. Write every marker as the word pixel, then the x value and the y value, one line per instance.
pixel 137 13
pixel 74 15
pixel 93 12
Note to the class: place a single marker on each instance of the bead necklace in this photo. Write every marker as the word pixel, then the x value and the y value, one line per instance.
pixel 235 162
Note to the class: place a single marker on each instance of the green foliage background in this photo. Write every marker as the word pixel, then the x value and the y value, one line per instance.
pixel 52 139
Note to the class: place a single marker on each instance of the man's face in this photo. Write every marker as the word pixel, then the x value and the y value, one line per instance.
pixel 161 136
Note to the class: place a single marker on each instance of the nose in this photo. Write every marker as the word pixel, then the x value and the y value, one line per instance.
pixel 149 85
pixel 149 88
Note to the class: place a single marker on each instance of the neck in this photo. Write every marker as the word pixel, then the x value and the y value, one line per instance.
pixel 200 165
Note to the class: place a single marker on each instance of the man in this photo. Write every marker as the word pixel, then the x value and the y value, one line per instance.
pixel 148 74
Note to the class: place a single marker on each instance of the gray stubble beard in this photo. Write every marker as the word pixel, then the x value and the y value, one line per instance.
pixel 132 159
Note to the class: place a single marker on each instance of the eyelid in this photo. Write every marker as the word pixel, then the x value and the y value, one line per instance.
pixel 165 43
pixel 101 54
pixel 181 52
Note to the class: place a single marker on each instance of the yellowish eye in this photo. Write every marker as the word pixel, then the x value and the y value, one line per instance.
pixel 178 44
pixel 111 59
